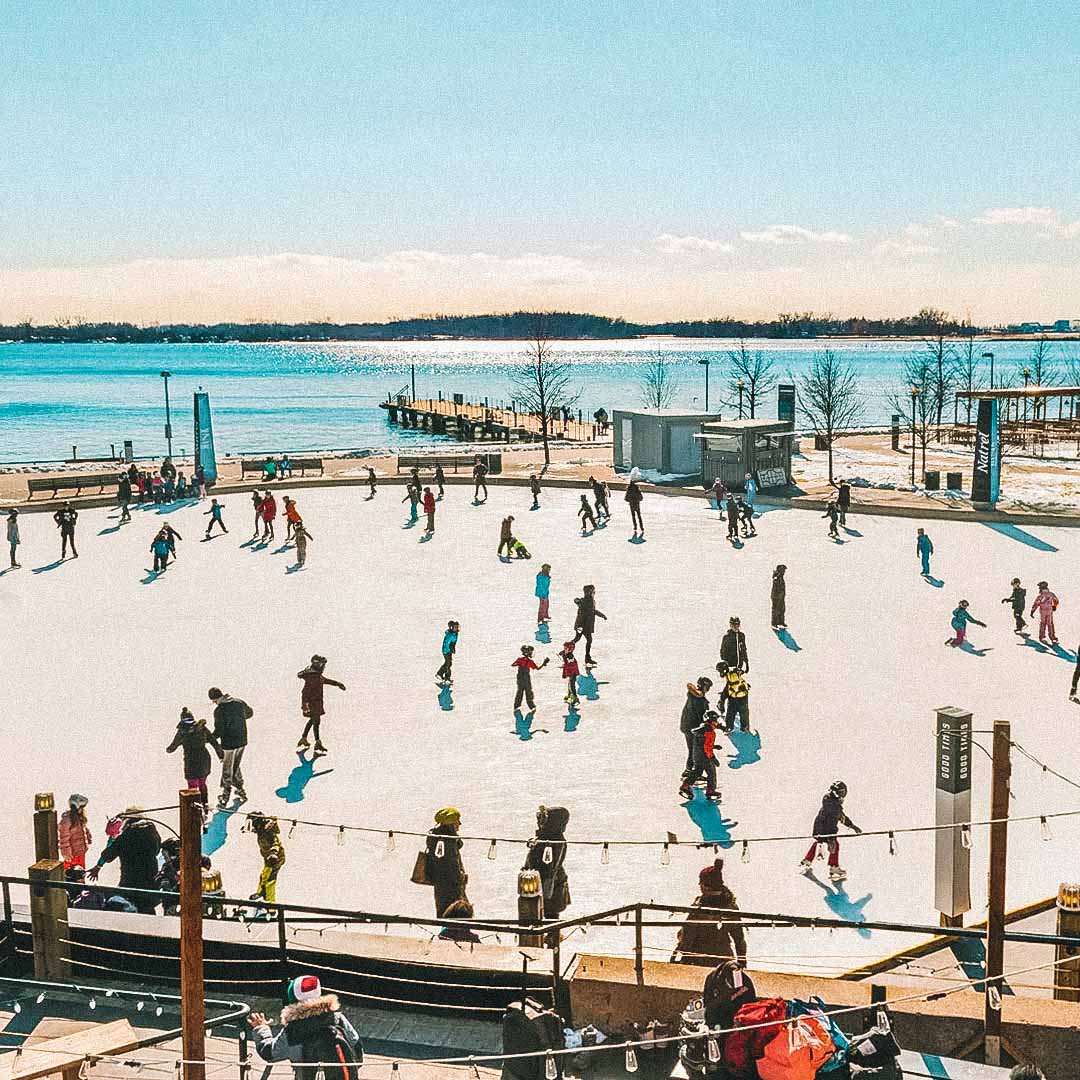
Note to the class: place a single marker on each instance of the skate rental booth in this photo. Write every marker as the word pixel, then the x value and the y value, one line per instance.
pixel 659 440
pixel 732 448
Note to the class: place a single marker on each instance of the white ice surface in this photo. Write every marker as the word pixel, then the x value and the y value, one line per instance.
pixel 97 665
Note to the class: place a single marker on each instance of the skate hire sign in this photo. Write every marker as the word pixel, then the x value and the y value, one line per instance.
pixel 986 476
pixel 952 860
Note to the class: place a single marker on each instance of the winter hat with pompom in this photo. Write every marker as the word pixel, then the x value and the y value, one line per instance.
pixel 304 989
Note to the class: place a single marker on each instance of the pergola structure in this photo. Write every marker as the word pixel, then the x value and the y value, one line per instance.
pixel 1026 415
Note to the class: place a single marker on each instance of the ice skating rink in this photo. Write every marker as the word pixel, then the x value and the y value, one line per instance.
pixel 99 658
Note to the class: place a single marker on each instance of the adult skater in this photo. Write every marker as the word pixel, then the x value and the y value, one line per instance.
pixel 445 675
pixel 749 490
pixel 826 826
pixel 733 646
pixel 123 497
pixel 588 522
pixel 136 846
pixel 704 759
pixel 732 518
pixel 924 548
pixel 292 517
pixel 778 597
pixel 479 475
pixel 960 619
pixel 832 512
pixel 269 513
pixel 585 620
pixel 445 870
pixel 734 698
pixel 1018 600
pixel 311 701
pixel 534 487
pixel 526 665
pixel 600 497
pixel 373 486
pixel 230 729
pixel 633 500
pixel 193 736
pixel 1046 603
pixel 313 1028
pixel 429 510
pixel 301 536
pixel 66 518
pixel 412 497
pixel 693 713
pixel 13 538
pixel 547 856
pixel 702 939
pixel 257 504
pixel 543 594
pixel 506 535
pixel 214 514
pixel 159 547
pixel 843 500
pixel 414 478
pixel 440 480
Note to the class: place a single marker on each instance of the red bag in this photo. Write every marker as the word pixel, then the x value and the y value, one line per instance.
pixel 797 1052
pixel 743 1049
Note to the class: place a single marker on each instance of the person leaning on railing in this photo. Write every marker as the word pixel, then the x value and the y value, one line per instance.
pixel 702 939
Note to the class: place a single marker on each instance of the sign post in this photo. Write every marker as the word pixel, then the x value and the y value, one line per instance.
pixel 204 438
pixel 952 855
pixel 986 475
pixel 785 403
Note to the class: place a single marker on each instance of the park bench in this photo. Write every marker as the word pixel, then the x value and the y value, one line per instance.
pixel 72 482
pixel 454 462
pixel 65 1055
pixel 299 465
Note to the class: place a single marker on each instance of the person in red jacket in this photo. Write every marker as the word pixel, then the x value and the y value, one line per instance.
pixel 525 665
pixel 269 512
pixel 311 701
pixel 429 509
pixel 704 759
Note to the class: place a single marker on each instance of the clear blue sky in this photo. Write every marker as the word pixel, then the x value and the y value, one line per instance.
pixel 582 144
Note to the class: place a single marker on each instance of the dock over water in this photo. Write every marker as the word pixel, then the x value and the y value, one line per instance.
pixel 470 422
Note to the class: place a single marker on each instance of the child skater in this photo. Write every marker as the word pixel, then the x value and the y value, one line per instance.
pixel 193 736
pixel 585 512
pixel 960 618
pixel 704 736
pixel 543 594
pixel 570 672
pixel 311 701
pixel 826 825
pixel 525 666
pixel 1018 599
pixel 273 855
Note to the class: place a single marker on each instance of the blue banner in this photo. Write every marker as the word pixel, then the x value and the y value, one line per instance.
pixel 204 438
pixel 986 475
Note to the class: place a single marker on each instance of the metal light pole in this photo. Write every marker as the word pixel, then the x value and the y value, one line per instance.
pixel 990 356
pixel 412 377
pixel 1027 376
pixel 914 400
pixel 165 376
pixel 705 362
pixel 739 384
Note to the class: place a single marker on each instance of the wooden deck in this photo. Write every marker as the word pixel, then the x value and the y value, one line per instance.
pixel 471 422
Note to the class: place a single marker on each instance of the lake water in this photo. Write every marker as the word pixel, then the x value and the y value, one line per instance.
pixel 272 397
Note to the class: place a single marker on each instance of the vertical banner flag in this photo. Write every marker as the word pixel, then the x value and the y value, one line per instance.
pixel 785 402
pixel 986 476
pixel 204 438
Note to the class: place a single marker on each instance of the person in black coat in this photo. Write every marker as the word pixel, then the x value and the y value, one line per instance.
pixel 585 621
pixel 193 736
pixel 445 870
pixel 732 518
pixel 843 500
pixel 547 856
pixel 733 647
pixel 137 848
pixel 693 715
pixel 633 499
pixel 778 596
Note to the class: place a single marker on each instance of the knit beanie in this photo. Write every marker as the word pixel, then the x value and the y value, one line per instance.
pixel 302 990
pixel 711 879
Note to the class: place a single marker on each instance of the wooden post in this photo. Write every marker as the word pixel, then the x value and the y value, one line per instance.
pixel 49 922
pixel 46 845
pixel 995 916
pixel 639 959
pixel 192 1004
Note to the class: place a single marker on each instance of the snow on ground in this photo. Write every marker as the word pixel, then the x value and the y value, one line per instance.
pixel 100 657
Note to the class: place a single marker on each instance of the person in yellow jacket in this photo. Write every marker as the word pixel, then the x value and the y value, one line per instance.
pixel 273 855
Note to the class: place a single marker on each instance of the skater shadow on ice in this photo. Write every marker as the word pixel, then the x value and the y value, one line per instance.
pixel 588 687
pixel 427 537
pixel 706 815
pixel 636 540
pixel 110 529
pixel 217 832
pixel 1014 532
pixel 841 905
pixel 785 639
pixel 283 549
pixel 1050 650
pixel 851 532
pixel 523 728
pixel 935 581
pixel 299 778
pixel 543 634
pixel 50 566
pixel 967 647
pixel 293 569
pixel 151 577
pixel 747 748
pixel 446 699
pixel 970 956
pixel 571 720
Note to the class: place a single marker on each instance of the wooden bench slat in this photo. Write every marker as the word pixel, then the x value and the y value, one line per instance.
pixel 56 1055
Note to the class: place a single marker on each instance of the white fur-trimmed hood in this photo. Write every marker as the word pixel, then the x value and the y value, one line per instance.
pixel 304 1010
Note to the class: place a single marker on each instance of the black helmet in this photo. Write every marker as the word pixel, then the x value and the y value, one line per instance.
pixel 318 661
pixel 839 789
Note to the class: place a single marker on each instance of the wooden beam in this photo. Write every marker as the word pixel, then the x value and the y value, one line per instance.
pixel 192 1003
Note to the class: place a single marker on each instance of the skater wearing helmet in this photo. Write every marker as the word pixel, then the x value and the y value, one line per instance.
pixel 960 618
pixel 1018 601
pixel 445 675
pixel 1046 603
pixel 585 621
pixel 704 759
pixel 693 713
pixel 526 665
pixel 826 826
pixel 570 672
pixel 268 834
pixel 311 701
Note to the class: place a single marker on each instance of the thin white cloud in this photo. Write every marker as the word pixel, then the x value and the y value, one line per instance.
pixel 1047 218
pixel 795 234
pixel 669 244
pixel 907 246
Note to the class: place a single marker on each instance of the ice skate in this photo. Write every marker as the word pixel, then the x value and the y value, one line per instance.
pixel 686 791
pixel 320 750
pixel 805 866
pixel 714 796
pixel 837 873
pixel 303 744
pixel 241 797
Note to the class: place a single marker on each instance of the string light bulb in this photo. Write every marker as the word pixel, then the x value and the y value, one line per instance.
pixel 140 1006
pixel 491 851
pixel 341 836
pixel 631 1060
pixel 440 850
pixel 1044 828
pixel 993 997
pixel 712 1050
pixel 17 1007
pixel 92 1002
pixel 965 836
pixel 605 854
pixel 665 855
pixel 549 854
pixel 892 842
pixel 551 1070
pixel 745 851
pixel 292 829
pixel 40 998
pixel 391 843
pixel 395 1071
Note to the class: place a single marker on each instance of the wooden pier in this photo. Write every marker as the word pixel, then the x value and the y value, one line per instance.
pixel 471 422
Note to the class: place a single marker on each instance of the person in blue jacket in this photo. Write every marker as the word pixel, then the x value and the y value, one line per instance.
pixel 160 548
pixel 924 548
pixel 960 619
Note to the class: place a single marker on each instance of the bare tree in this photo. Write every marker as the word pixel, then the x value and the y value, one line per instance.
pixel 968 363
pixel 1072 369
pixel 754 370
pixel 1041 366
pixel 916 402
pixel 941 356
pixel 829 397
pixel 542 385
pixel 659 383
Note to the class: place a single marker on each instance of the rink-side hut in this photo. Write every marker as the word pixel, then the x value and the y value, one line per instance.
pixel 660 440
pixel 730 449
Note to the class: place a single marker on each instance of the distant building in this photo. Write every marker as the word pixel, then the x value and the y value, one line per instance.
pixel 661 441
pixel 1065 326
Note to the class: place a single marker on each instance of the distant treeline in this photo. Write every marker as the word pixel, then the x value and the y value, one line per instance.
pixel 518 324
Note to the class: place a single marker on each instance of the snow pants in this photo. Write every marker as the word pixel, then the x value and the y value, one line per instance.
pixel 1046 625
pixel 834 850
pixel 543 613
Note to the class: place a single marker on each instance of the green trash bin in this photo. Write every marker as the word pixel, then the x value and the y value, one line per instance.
pixel 932 480
pixel 954 481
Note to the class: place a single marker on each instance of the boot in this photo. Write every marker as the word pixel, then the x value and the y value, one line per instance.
pixel 837 873
pixel 686 791
pixel 303 744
